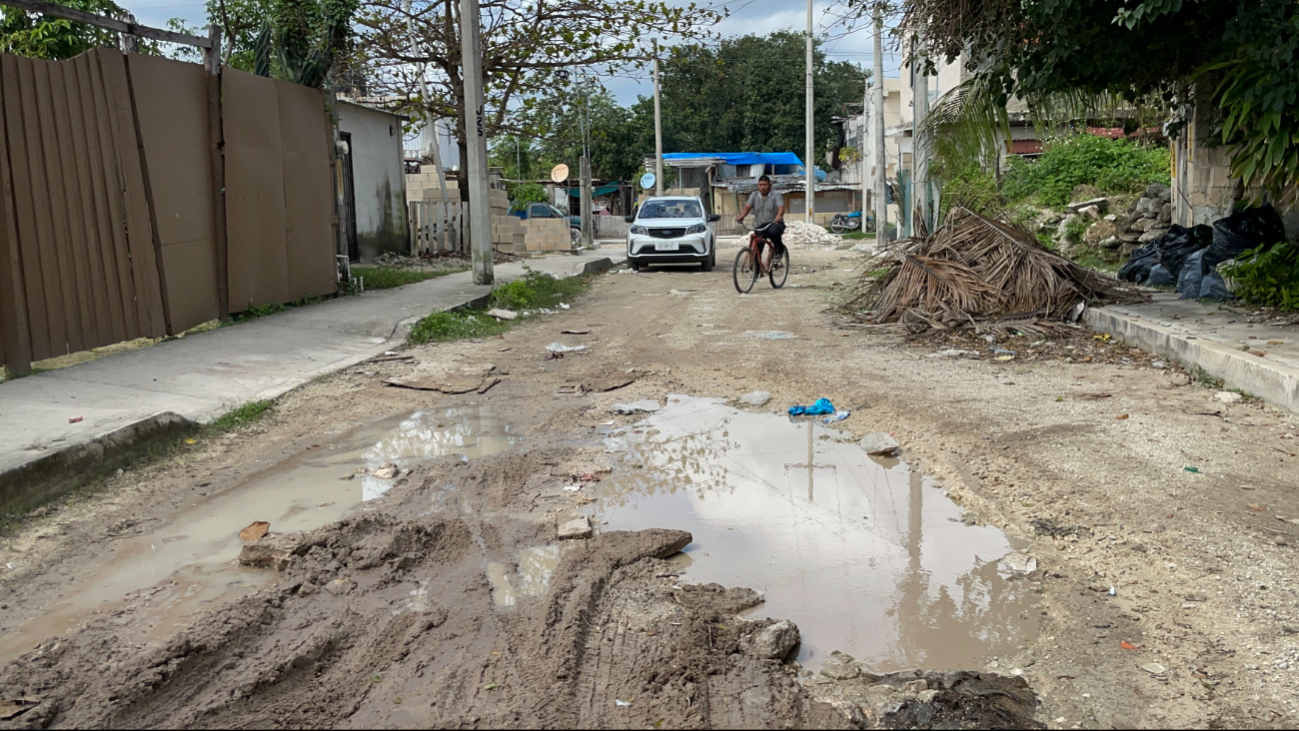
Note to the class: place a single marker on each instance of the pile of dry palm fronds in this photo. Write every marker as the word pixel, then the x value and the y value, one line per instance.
pixel 980 273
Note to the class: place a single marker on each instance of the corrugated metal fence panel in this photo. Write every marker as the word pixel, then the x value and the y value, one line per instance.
pixel 78 267
pixel 171 101
pixel 255 214
pixel 308 191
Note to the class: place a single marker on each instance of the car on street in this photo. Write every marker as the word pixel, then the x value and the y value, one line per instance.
pixel 672 230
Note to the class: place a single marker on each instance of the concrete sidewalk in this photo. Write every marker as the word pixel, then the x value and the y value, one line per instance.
pixel 1253 353
pixel 198 378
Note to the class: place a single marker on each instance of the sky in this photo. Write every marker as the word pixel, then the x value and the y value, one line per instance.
pixel 758 17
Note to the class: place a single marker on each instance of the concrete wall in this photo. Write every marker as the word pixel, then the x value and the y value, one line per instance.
pixel 611 227
pixel 1203 190
pixel 379 179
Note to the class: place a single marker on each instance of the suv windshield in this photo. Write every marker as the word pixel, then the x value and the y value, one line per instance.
pixel 671 209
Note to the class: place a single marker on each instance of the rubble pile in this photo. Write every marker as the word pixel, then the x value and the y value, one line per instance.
pixel 974 272
pixel 802 233
pixel 1147 218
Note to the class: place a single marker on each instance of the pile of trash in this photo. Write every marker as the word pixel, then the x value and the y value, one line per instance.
pixel 1188 258
pixel 974 272
pixel 802 233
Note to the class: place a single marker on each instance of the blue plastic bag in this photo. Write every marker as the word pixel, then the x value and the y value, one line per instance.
pixel 820 408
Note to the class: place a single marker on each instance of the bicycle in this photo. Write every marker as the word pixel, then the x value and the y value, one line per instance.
pixel 749 265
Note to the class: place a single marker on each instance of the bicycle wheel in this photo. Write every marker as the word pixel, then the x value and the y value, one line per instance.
pixel 779 272
pixel 746 271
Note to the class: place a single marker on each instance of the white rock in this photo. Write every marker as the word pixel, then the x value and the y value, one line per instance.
pixel 774 642
pixel 755 398
pixel 1154 668
pixel 1228 397
pixel 1018 563
pixel 880 444
pixel 502 314
pixel 579 527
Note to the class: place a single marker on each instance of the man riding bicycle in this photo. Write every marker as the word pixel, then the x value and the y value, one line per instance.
pixel 768 209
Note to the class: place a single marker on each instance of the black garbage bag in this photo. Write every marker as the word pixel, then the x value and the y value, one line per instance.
pixel 1213 287
pixel 1160 277
pixel 1249 228
pixel 1138 267
pixel 1191 278
pixel 1179 243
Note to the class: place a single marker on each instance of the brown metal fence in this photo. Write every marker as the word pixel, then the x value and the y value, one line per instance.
pixel 107 224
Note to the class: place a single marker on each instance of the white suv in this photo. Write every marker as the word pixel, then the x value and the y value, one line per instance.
pixel 672 230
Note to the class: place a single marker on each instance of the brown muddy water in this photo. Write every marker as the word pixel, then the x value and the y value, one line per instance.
pixel 197 550
pixel 866 557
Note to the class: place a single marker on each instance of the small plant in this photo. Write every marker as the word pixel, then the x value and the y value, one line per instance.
pixel 241 416
pixel 973 189
pixel 1202 377
pixel 1267 278
pixel 1075 229
pixel 444 327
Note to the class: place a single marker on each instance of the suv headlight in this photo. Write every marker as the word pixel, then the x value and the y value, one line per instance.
pixel 698 228
pixel 639 231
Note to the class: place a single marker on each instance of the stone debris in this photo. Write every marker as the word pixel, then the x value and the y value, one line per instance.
pixel 1228 397
pixel 774 642
pixel 271 551
pixel 802 233
pixel 755 398
pixel 579 527
pixel 500 314
pixel 839 671
pixel 880 444
pixel 1018 563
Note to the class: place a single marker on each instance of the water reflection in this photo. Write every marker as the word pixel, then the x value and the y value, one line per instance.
pixel 865 558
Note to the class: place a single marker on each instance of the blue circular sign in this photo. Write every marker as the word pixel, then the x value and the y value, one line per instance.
pixel 647 181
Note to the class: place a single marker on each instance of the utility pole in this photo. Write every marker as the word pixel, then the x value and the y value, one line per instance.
pixel 588 224
pixel 480 213
pixel 919 142
pixel 658 127
pixel 881 164
pixel 809 121
pixel 433 125
pixel 865 161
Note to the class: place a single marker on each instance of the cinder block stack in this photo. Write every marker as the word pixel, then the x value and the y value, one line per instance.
pixel 546 234
pixel 424 187
pixel 508 234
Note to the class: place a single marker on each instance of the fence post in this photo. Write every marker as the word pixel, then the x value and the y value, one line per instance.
pixel 15 341
pixel 216 156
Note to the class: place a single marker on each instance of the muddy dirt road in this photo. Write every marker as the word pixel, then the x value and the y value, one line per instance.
pixel 1039 523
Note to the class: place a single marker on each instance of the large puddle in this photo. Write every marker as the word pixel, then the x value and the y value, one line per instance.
pixel 866 557
pixel 198 547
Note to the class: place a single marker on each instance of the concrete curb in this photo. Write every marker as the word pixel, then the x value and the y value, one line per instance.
pixel 58 473
pixel 1275 383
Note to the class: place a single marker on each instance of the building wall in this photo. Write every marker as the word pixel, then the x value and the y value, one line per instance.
pixel 379 179
pixel 1203 190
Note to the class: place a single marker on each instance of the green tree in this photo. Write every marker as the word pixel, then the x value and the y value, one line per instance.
pixel 747 94
pixel 295 40
pixel 616 139
pixel 1239 57
pixel 532 53
pixel 41 36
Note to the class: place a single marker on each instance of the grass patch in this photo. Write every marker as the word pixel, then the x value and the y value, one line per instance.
pixel 241 416
pixel 1089 259
pixel 381 277
pixel 535 291
pixel 1202 377
pixel 441 327
pixel 255 310
pixel 858 235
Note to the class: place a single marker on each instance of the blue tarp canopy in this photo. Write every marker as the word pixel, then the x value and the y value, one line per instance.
pixel 739 158
pixel 602 190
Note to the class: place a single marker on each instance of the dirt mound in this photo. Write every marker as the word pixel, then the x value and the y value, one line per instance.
pixel 353 634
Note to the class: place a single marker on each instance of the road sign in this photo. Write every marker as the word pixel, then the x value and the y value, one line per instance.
pixel 560 173
pixel 647 181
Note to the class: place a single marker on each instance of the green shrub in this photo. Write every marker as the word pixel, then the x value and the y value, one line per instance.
pixel 383 277
pixel 1114 166
pixel 974 189
pixel 442 327
pixel 1268 278
pixel 524 193
pixel 1075 228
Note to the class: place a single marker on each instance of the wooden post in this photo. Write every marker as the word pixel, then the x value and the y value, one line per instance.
pixel 216 157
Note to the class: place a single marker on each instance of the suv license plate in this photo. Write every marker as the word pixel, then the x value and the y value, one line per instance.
pixel 666 246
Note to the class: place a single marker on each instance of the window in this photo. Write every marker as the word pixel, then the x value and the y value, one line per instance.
pixel 671 209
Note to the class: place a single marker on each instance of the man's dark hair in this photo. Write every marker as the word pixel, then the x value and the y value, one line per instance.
pixel 765 179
